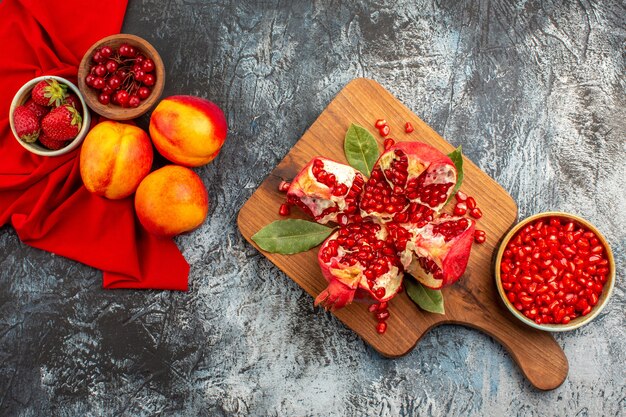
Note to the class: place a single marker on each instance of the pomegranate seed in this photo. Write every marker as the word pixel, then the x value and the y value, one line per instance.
pixel 480 236
pixel 460 209
pixel 284 209
pixel 408 127
pixel 381 327
pixel 557 268
pixel 460 196
pixel 471 203
pixel 382 315
pixel 389 143
pixel 380 123
pixel 476 213
pixel 373 308
pixel 384 131
pixel 283 187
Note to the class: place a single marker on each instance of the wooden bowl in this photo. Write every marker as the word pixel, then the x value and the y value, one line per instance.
pixel 607 290
pixel 113 111
pixel 23 94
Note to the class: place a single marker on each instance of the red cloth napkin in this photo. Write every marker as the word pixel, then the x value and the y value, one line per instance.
pixel 43 197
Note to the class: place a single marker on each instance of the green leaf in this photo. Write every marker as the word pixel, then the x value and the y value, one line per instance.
pixel 427 299
pixel 457 158
pixel 291 236
pixel 361 149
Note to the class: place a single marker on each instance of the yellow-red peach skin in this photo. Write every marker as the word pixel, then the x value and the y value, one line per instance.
pixel 115 157
pixel 188 130
pixel 171 200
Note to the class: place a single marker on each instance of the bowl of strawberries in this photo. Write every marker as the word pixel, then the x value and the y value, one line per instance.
pixel 49 116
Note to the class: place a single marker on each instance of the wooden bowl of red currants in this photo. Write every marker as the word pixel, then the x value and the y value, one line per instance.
pixel 121 77
pixel 555 271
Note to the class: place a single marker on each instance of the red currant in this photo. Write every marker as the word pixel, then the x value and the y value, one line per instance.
pixel 134 101
pixel 140 75
pixel 106 51
pixel 104 98
pixel 98 57
pixel 149 80
pixel 111 66
pixel 115 82
pixel 100 70
pixel 107 89
pixel 98 83
pixel 89 80
pixel 143 93
pixel 148 65
pixel 122 97
pixel 126 50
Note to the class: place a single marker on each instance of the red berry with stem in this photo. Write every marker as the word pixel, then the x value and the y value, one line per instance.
pixel 122 97
pixel 100 70
pixel 106 51
pixel 140 75
pixel 149 80
pixel 98 57
pixel 111 66
pixel 134 101
pixel 104 98
pixel 98 83
pixel 114 82
pixel 147 65
pixel 143 92
pixel 107 90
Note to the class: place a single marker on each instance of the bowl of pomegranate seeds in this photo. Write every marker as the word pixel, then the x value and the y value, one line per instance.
pixel 121 76
pixel 555 271
pixel 49 116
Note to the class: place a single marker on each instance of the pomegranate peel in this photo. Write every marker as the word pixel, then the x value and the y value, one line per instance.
pixel 325 189
pixel 437 255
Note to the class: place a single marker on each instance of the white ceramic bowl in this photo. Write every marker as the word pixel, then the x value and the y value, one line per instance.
pixel 23 94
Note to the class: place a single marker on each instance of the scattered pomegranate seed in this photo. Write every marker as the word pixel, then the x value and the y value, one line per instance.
pixel 480 236
pixel 460 209
pixel 550 273
pixel 380 123
pixel 373 308
pixel 460 196
pixel 381 327
pixel 284 209
pixel 471 203
pixel 284 186
pixel 389 143
pixel 408 127
pixel 384 131
pixel 476 213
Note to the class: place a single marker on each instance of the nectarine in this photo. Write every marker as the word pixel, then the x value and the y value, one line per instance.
pixel 115 157
pixel 171 200
pixel 188 130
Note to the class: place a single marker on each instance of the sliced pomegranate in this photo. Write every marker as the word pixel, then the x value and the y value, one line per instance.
pixel 359 257
pixel 410 182
pixel 325 189
pixel 437 254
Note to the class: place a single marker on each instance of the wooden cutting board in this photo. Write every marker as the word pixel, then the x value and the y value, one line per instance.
pixel 472 301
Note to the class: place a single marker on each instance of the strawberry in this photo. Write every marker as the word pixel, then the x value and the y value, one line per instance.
pixel 26 124
pixel 39 110
pixel 72 99
pixel 52 144
pixel 49 93
pixel 62 123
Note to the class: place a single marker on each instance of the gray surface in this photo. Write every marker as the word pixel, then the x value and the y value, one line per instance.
pixel 533 91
